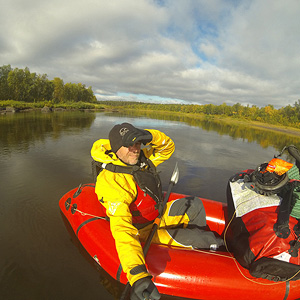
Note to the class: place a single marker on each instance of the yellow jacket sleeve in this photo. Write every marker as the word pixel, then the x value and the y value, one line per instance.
pixel 162 147
pixel 127 241
pixel 117 191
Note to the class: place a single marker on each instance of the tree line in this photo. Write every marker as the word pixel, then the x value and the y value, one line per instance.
pixel 22 85
pixel 286 116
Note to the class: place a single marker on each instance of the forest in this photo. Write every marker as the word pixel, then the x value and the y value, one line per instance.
pixel 25 87
pixel 22 85
pixel 286 116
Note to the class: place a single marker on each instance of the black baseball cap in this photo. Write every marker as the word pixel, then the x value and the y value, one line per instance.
pixel 117 133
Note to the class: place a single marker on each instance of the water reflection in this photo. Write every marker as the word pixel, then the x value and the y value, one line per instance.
pixel 23 128
pixel 20 129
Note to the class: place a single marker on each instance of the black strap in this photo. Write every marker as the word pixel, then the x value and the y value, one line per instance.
pixel 88 221
pixel 293 151
pixel 281 227
pixel 287 290
pixel 138 269
pixel 121 169
pixel 119 272
pixel 97 167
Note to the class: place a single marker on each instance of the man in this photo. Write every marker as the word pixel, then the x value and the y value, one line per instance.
pixel 129 188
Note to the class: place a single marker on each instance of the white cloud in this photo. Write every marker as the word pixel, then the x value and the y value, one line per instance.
pixel 209 49
pixel 199 51
pixel 263 39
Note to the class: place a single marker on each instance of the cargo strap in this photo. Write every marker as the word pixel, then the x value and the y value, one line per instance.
pixel 281 227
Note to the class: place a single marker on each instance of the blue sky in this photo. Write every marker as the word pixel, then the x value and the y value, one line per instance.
pixel 173 51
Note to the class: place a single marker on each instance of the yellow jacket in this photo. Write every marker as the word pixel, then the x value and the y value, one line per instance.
pixel 118 190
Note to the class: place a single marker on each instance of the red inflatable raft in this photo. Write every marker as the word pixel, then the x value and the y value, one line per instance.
pixel 194 274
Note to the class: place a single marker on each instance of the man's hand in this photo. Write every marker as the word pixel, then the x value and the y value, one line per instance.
pixel 137 135
pixel 142 288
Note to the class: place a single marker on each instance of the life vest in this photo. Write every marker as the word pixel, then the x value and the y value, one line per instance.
pixel 263 236
pixel 144 208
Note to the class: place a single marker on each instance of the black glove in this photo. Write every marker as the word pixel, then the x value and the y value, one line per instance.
pixel 143 287
pixel 136 135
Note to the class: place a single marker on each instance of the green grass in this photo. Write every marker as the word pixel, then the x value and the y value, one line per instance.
pixel 21 105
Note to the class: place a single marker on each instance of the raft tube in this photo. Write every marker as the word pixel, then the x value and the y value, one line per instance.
pixel 180 272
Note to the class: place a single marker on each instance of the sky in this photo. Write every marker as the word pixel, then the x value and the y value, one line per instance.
pixel 161 51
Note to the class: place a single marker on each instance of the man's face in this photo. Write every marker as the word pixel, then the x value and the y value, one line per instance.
pixel 131 154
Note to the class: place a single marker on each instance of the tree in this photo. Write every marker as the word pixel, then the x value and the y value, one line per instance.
pixel 5 92
pixel 58 90
pixel 237 109
pixel 43 88
pixel 19 82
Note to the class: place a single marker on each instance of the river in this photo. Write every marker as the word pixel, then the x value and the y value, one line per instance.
pixel 42 156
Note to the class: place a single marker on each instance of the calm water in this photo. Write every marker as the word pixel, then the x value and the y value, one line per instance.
pixel 42 156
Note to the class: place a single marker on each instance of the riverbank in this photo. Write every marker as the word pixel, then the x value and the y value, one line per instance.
pixel 7 106
pixel 265 126
pixel 10 106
